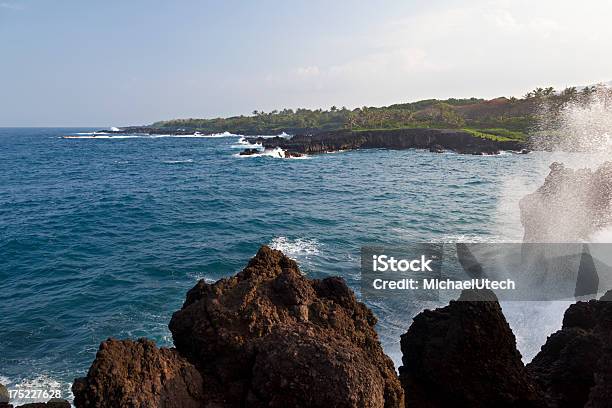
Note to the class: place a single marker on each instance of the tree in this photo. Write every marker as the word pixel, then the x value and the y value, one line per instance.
pixel 569 93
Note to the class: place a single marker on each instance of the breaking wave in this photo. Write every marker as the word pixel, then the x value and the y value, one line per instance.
pixel 42 382
pixel 297 248
pixel 177 161
pixel 276 153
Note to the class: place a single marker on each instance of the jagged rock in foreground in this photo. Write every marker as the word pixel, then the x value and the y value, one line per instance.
pixel 574 367
pixel 570 206
pixel 267 337
pixel 130 373
pixel 273 338
pixel 464 355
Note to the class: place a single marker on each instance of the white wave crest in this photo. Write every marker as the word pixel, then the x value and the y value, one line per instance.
pixel 101 136
pixel 296 249
pixel 468 238
pixel 243 143
pixel 105 135
pixel 276 153
pixel 177 161
pixel 40 382
pixel 224 134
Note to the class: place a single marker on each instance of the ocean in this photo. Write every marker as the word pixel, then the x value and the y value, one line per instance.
pixel 102 237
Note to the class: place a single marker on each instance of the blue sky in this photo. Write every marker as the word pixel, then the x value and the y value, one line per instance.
pixel 113 63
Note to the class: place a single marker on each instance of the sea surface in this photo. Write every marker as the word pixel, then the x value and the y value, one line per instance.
pixel 102 237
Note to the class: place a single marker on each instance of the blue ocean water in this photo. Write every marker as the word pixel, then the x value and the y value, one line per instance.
pixel 102 237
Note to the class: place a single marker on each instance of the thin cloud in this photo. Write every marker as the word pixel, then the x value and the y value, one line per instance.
pixel 11 6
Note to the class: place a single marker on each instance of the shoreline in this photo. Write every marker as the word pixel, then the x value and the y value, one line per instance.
pixel 432 139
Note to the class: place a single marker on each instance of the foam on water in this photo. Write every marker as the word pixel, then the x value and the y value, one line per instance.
pixel 580 132
pixel 533 322
pixel 43 382
pixel 296 248
pixel 243 143
pixel 179 161
pixel 106 135
pixel 101 136
pixel 276 153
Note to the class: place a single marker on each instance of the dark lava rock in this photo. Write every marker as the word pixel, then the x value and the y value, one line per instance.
pixel 130 373
pixel 570 206
pixel 413 138
pixel 436 149
pixel 574 366
pixel 293 154
pixel 464 355
pixel 468 261
pixel 273 338
pixel 249 152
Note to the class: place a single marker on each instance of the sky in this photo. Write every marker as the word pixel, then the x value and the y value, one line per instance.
pixel 117 63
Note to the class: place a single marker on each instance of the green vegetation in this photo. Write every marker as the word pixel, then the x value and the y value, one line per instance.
pixel 496 119
pixel 499 135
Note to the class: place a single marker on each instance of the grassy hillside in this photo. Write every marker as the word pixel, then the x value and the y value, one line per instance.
pixel 498 119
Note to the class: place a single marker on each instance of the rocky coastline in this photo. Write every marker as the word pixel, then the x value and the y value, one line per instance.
pixel 270 337
pixel 434 140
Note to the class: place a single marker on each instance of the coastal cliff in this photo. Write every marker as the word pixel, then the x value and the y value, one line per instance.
pixel 411 138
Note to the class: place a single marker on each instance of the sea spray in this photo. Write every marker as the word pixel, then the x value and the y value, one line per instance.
pixel 580 123
pixel 578 134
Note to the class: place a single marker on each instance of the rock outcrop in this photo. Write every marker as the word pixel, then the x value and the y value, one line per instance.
pixel 436 140
pixel 574 367
pixel 130 373
pixel 267 337
pixel 274 338
pixel 570 206
pixel 464 355
pixel 249 152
